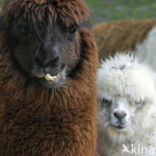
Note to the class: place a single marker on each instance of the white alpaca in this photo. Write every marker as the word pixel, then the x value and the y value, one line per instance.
pixel 126 107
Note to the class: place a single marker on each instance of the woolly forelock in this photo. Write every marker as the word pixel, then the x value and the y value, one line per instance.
pixel 124 75
pixel 66 11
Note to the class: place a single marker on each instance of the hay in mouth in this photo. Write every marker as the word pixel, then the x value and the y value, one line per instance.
pixel 55 78
pixel 48 77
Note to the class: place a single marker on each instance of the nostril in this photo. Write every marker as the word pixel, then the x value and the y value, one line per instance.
pixel 116 115
pixel 56 59
pixel 39 62
pixel 120 115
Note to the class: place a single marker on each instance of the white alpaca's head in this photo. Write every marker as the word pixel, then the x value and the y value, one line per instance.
pixel 126 97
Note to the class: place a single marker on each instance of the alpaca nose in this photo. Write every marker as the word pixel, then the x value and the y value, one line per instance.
pixel 120 115
pixel 48 55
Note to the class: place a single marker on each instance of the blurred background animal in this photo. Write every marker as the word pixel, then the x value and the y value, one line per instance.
pixel 136 36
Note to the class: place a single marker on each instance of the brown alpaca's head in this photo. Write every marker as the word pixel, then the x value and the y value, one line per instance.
pixel 44 37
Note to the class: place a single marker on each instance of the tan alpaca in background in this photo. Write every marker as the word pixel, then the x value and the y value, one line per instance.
pixel 137 36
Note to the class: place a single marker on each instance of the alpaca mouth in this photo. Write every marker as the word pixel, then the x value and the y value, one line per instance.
pixel 56 78
pixel 50 80
pixel 48 77
pixel 119 127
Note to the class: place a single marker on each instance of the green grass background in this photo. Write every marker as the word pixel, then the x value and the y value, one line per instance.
pixel 108 10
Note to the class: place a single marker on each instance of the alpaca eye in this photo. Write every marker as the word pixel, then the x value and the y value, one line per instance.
pixel 72 29
pixel 139 102
pixel 21 30
pixel 106 102
pixel 24 31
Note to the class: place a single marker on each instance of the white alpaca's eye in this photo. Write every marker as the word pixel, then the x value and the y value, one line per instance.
pixel 139 102
pixel 106 102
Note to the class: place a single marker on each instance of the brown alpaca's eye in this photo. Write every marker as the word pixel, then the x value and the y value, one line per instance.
pixel 72 29
pixel 21 30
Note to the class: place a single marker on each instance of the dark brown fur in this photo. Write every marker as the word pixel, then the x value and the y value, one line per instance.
pixel 37 121
pixel 121 35
pixel 69 12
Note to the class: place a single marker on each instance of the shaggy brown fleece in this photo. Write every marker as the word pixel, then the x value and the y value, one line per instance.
pixel 67 11
pixel 37 121
pixel 121 35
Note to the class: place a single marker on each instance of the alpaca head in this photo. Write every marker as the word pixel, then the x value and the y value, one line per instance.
pixel 44 37
pixel 126 97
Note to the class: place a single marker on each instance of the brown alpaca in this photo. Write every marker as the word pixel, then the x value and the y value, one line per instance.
pixel 41 117
pixel 128 35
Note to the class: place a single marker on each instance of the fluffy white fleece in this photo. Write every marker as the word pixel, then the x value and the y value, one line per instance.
pixel 123 76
